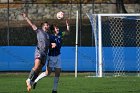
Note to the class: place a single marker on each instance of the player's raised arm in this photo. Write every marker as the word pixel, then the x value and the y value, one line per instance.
pixel 67 24
pixel 29 22
pixel 64 33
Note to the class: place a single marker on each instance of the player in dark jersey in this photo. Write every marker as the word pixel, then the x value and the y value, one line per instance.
pixel 54 60
pixel 43 43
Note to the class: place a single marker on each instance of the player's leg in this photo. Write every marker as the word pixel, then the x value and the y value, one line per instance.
pixel 38 66
pixel 40 60
pixel 56 79
pixel 57 73
pixel 43 74
pixel 33 74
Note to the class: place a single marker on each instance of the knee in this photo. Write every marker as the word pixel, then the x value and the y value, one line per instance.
pixel 49 70
pixel 57 74
pixel 49 73
pixel 36 68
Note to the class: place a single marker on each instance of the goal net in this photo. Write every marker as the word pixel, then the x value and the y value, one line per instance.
pixel 118 43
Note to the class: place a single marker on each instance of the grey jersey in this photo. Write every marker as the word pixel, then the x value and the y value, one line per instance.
pixel 43 41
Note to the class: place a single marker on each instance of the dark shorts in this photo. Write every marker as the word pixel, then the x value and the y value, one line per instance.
pixel 41 56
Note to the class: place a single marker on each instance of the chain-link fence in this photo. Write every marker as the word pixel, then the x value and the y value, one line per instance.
pixel 15 31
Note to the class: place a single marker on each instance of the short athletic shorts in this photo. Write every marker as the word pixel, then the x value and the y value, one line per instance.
pixel 54 61
pixel 41 56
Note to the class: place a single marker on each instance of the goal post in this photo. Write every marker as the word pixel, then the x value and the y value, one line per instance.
pixel 117 36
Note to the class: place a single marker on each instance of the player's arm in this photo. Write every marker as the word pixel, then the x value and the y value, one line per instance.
pixel 29 22
pixel 59 43
pixel 67 24
pixel 67 30
pixel 56 43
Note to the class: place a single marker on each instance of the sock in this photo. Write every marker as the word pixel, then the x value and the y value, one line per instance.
pixel 32 72
pixel 33 75
pixel 56 79
pixel 42 75
pixel 28 80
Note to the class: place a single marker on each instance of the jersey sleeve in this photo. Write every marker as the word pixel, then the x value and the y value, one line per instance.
pixel 37 30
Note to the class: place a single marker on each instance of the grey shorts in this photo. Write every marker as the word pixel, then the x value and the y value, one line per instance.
pixel 41 56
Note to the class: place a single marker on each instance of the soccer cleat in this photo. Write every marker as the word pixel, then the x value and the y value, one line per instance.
pixel 54 91
pixel 28 85
pixel 34 85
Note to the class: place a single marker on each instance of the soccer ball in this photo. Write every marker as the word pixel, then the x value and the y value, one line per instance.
pixel 60 15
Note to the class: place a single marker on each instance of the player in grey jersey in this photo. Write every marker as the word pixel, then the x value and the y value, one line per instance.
pixel 41 50
pixel 54 56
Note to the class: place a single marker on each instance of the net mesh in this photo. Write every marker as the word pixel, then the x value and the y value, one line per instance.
pixel 120 43
pixel 123 32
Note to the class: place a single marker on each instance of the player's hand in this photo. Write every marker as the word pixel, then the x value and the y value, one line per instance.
pixel 67 23
pixel 24 15
pixel 53 45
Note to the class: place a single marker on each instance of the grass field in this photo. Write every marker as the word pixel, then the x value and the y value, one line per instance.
pixel 15 83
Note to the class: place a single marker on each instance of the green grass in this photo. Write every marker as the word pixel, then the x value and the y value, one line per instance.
pixel 15 83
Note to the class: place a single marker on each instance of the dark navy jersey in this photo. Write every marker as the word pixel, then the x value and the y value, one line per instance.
pixel 43 41
pixel 58 40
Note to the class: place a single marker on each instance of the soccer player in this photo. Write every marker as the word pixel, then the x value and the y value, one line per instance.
pixel 43 43
pixel 54 60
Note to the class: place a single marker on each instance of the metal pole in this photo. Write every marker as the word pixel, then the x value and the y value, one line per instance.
pixel 80 14
pixel 8 43
pixel 92 13
pixel 100 46
pixel 76 50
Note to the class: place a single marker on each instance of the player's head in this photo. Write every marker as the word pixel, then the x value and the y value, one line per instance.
pixel 55 28
pixel 45 26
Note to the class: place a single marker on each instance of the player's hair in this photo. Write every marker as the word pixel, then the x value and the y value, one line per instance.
pixel 53 26
pixel 44 23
